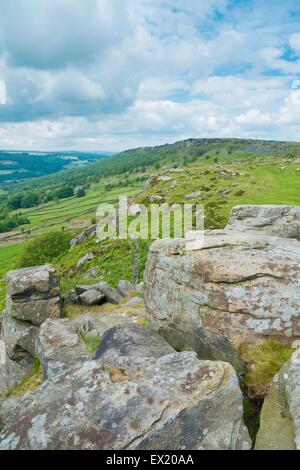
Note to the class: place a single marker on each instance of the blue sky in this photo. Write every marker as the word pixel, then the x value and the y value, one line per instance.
pixel 116 74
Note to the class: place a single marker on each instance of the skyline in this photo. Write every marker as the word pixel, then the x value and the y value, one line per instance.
pixel 117 74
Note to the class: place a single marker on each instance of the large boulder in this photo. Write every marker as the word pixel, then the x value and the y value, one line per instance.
pixel 280 416
pixel 19 337
pixel 12 373
pixel 33 294
pixel 60 343
pixel 237 288
pixel 280 221
pixel 161 400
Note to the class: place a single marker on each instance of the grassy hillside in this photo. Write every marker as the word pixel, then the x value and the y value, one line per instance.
pixel 223 177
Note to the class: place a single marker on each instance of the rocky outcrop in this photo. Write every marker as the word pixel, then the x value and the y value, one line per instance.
pixel 237 288
pixel 280 416
pixel 97 294
pixel 89 232
pixel 137 394
pixel 281 221
pixel 33 295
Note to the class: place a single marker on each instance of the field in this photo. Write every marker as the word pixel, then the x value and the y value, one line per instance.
pixel 72 213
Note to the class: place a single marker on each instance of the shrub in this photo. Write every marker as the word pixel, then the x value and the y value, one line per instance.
pixel 44 249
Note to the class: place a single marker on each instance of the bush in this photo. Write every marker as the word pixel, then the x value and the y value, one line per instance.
pixel 44 249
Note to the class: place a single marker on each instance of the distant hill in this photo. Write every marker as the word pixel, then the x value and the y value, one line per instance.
pixel 141 159
pixel 20 165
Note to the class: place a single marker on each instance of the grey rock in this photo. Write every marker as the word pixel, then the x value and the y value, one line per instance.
pixel 91 297
pixel 19 337
pixel 125 288
pixel 140 287
pixel 35 311
pixel 33 294
pixel 134 302
pixel 173 401
pixel 89 232
pixel 122 346
pixel 84 260
pixel 12 373
pixel 112 295
pixel 71 298
pixel 236 288
pixel 277 220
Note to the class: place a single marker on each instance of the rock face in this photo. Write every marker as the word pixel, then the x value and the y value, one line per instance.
pixel 280 416
pixel 132 400
pixel 33 295
pixel 281 221
pixel 96 294
pixel 89 232
pixel 238 288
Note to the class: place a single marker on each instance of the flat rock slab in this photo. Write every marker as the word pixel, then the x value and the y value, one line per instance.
pixel 275 220
pixel 237 288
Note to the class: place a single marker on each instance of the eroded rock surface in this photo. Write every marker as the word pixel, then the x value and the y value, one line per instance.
pixel 159 400
pixel 33 295
pixel 280 221
pixel 238 288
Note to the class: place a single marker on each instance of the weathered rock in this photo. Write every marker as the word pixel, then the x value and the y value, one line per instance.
pixel 60 342
pixel 35 311
pixel 173 401
pixel 238 288
pixel 89 232
pixel 84 260
pixel 140 287
pixel 12 372
pixel 280 416
pixel 33 294
pixel 124 345
pixel 134 302
pixel 59 346
pixel 71 298
pixel 112 295
pixel 19 337
pixel 281 221
pixel 92 297
pixel 125 288
pixel 36 282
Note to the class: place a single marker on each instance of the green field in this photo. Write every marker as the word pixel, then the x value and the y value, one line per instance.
pixel 71 213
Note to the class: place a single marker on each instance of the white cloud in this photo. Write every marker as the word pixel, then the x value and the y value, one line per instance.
pixel 124 73
pixel 294 41
pixel 2 92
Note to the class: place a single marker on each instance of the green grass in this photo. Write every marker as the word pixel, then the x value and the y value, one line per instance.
pixel 263 360
pixel 92 342
pixel 30 383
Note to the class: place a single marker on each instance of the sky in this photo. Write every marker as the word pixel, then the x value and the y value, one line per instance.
pixel 118 74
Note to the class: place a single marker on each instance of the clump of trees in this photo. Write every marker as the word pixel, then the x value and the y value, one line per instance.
pixel 45 249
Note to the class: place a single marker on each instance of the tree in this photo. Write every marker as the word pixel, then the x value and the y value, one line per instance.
pixel 44 249
pixel 30 200
pixel 80 193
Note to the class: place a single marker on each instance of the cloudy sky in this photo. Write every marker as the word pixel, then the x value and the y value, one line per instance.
pixel 116 74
